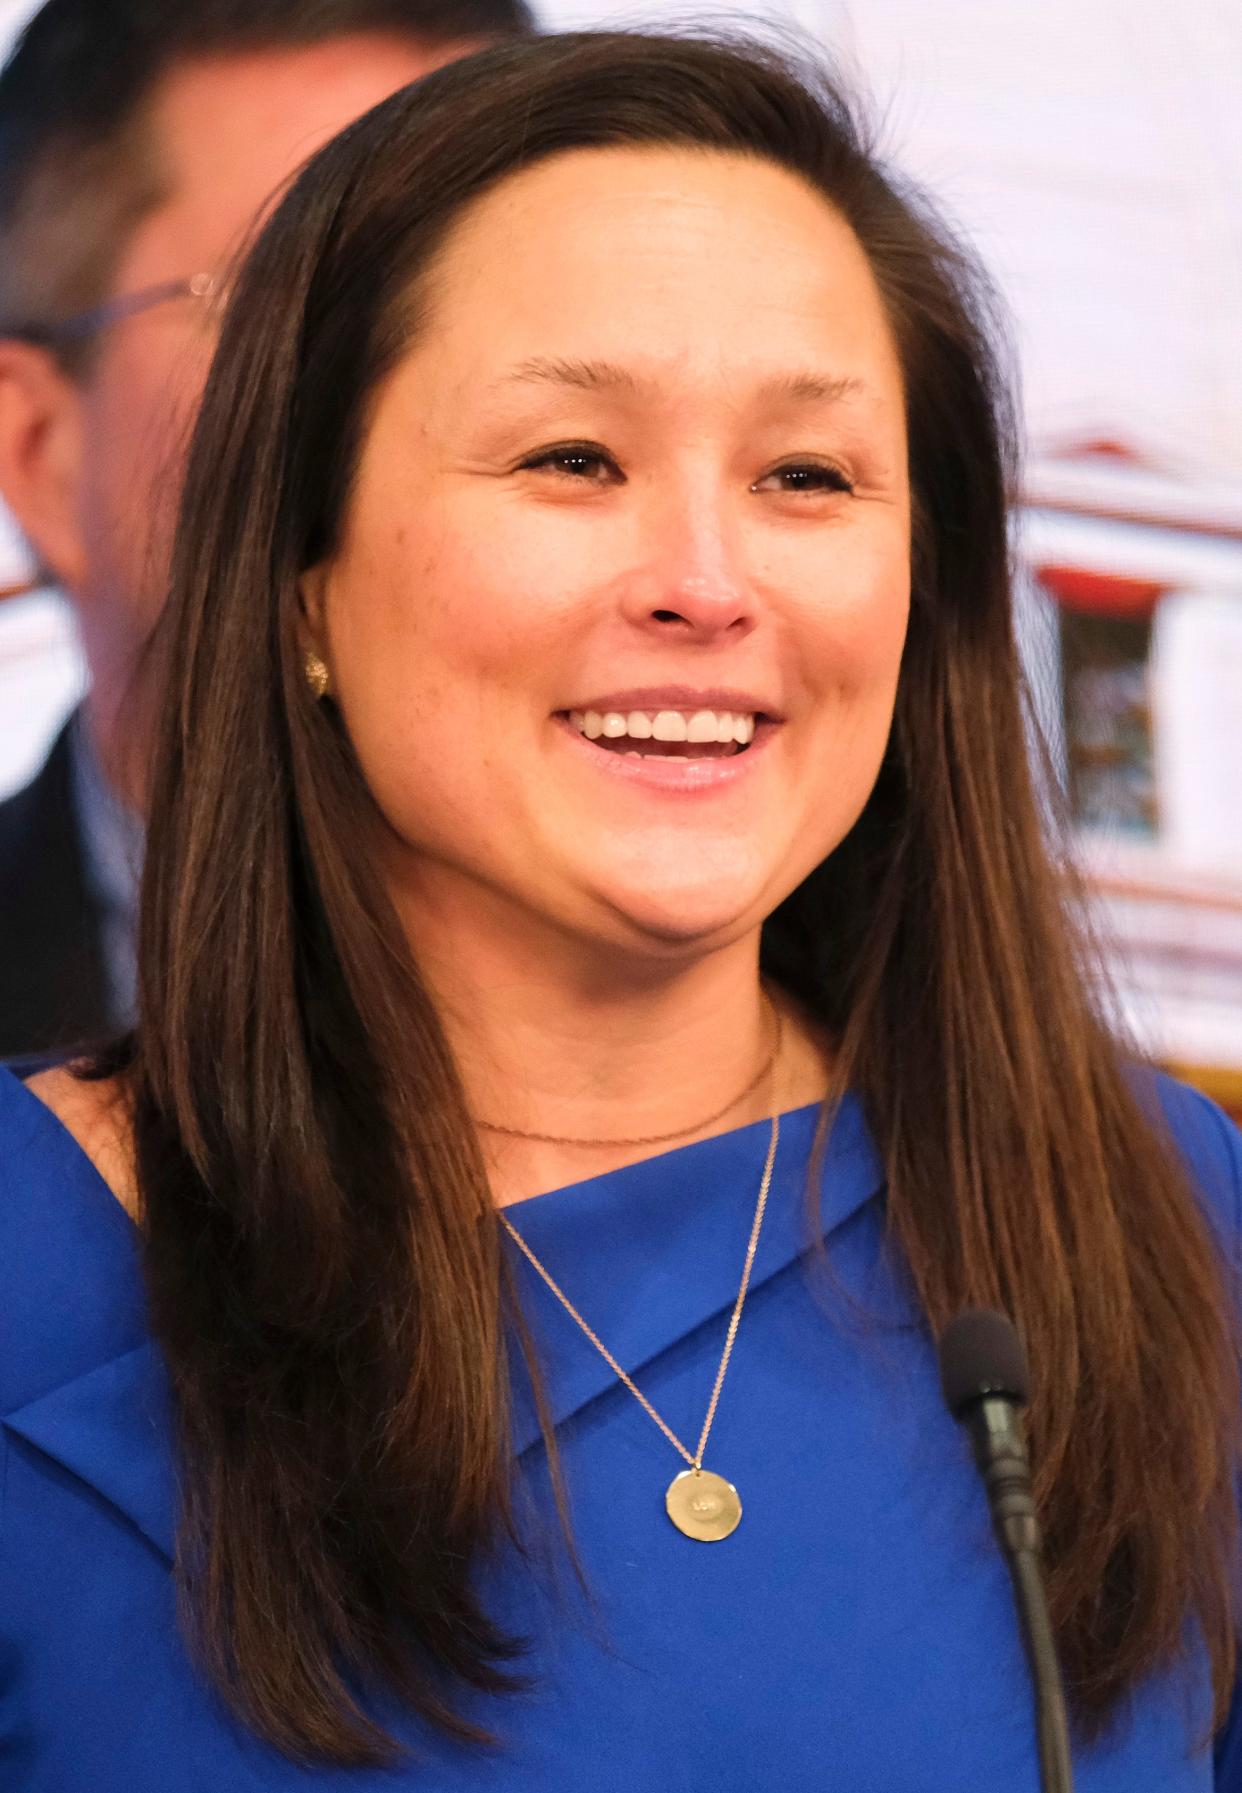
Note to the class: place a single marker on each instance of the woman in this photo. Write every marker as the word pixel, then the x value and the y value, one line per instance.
pixel 593 859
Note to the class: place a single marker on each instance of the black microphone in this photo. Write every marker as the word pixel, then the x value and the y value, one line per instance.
pixel 984 1377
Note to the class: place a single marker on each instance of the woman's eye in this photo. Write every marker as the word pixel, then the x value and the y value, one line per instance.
pixel 804 476
pixel 577 461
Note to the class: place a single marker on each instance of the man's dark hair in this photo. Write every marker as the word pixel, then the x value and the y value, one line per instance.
pixel 78 165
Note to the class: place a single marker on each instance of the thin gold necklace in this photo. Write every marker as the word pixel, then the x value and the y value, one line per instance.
pixel 658 1139
pixel 699 1503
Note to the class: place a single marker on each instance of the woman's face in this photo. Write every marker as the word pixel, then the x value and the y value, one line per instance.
pixel 618 609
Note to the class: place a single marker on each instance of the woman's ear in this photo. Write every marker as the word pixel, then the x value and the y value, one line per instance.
pixel 312 598
pixel 41 440
pixel 313 632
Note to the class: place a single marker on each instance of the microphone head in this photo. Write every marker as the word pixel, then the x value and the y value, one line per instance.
pixel 981 1355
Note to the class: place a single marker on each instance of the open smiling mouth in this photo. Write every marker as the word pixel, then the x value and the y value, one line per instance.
pixel 667 734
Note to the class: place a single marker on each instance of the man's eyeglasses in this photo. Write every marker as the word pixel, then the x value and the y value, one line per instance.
pixel 113 311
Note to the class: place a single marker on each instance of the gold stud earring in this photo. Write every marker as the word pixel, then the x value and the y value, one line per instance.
pixel 316 675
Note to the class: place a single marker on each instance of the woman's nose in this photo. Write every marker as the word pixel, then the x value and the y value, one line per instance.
pixel 691 582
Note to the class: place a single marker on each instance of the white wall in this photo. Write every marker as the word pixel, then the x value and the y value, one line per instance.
pixel 13 15
pixel 41 677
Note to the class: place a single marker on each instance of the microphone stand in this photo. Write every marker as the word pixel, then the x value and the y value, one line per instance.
pixel 1001 1456
pixel 984 1375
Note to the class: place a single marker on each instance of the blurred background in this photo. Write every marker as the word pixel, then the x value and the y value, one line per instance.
pixel 1092 151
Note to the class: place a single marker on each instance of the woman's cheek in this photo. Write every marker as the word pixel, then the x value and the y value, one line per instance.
pixel 856 647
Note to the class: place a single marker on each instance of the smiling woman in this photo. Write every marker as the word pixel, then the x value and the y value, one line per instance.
pixel 593 724
pixel 676 519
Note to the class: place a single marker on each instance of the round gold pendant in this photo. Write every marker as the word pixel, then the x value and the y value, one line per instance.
pixel 703 1505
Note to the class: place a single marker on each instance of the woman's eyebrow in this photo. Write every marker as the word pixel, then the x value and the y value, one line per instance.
pixel 799 386
pixel 811 388
pixel 587 376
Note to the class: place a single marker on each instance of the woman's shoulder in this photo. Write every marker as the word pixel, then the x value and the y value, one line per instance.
pixel 1210 1147
pixel 70 1277
pixel 95 1114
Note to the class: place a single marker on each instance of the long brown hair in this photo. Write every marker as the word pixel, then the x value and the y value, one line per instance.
pixel 323 1264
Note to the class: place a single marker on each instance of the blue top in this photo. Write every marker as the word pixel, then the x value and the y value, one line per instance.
pixel 856 1632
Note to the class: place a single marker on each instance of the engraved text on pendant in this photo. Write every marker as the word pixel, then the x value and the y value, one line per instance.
pixel 703 1505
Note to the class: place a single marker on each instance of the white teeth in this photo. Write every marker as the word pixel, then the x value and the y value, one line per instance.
pixel 696 727
pixel 669 725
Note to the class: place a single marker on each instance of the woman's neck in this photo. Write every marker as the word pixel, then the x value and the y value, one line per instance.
pixel 630 1056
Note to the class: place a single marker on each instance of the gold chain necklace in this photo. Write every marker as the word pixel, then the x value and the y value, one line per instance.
pixel 658 1139
pixel 699 1503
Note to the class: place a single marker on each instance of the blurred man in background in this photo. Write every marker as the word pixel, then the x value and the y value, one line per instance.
pixel 138 141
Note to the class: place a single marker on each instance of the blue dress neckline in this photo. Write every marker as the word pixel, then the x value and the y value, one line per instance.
pixel 619 1243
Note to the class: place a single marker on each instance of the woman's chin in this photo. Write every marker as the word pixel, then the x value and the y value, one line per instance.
pixel 684 916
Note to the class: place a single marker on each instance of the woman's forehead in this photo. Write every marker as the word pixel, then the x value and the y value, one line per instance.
pixel 639 263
